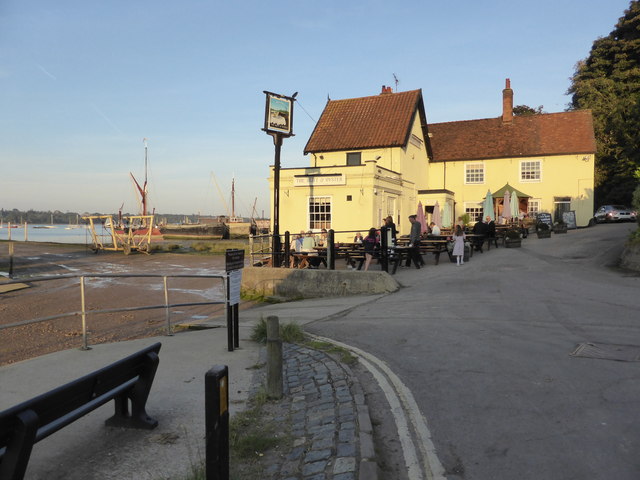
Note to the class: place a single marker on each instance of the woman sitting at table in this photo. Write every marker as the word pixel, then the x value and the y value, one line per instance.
pixel 295 247
pixel 308 247
pixel 358 238
pixel 371 246
pixel 322 241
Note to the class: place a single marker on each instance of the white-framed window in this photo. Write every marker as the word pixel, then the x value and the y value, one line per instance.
pixel 530 170
pixel 474 210
pixel 391 206
pixel 474 173
pixel 533 207
pixel 319 213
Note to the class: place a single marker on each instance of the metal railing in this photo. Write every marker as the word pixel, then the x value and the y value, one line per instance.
pixel 83 312
pixel 261 246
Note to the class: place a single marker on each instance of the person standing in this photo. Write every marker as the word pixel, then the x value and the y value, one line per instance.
pixel 480 232
pixel 458 245
pixel 370 244
pixel 388 223
pixel 414 241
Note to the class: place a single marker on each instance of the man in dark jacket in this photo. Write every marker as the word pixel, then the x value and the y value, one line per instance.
pixel 414 241
pixel 480 229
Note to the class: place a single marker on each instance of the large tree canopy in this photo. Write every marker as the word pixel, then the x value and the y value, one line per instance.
pixel 608 82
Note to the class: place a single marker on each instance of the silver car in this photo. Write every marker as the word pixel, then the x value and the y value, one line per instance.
pixel 614 213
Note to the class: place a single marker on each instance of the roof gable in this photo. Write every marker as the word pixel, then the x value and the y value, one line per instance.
pixel 526 136
pixel 369 122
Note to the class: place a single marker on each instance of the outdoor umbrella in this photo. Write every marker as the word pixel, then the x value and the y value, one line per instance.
pixel 506 206
pixel 446 215
pixel 515 205
pixel 487 207
pixel 435 217
pixel 421 219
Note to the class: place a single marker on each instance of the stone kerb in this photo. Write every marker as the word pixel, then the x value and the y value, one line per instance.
pixel 295 284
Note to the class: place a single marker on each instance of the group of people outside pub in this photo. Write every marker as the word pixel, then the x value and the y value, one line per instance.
pixel 306 244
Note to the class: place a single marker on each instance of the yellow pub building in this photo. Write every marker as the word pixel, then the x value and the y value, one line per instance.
pixel 376 156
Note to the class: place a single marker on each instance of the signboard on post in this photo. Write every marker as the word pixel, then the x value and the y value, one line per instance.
pixel 234 263
pixel 545 217
pixel 234 259
pixel 235 282
pixel 278 122
pixel 278 114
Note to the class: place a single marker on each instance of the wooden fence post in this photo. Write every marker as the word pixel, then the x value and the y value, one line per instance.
pixel 274 358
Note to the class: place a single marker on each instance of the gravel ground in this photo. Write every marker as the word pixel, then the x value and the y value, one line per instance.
pixel 47 298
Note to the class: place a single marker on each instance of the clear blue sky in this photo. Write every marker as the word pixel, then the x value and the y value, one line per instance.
pixel 83 82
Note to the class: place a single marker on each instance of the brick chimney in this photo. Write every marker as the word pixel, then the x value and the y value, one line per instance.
pixel 386 90
pixel 507 103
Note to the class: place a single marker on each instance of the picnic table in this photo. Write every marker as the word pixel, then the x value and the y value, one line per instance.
pixel 352 253
pixel 402 252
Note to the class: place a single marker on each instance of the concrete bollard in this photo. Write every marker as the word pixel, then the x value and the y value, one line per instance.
pixel 274 358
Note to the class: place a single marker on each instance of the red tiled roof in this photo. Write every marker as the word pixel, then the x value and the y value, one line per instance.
pixel 526 136
pixel 369 122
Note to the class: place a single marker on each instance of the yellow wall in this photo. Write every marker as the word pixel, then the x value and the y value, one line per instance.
pixel 561 176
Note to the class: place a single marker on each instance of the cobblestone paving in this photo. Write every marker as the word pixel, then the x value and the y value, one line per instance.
pixel 324 404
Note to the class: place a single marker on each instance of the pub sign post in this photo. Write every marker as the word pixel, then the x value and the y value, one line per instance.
pixel 278 122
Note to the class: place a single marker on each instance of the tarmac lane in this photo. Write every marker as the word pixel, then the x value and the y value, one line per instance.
pixel 486 351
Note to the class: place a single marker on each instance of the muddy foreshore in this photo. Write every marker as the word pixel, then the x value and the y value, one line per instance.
pixel 39 299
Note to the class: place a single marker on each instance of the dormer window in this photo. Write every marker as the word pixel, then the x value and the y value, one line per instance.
pixel 354 158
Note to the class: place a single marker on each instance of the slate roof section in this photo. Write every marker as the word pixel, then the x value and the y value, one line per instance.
pixel 526 136
pixel 379 121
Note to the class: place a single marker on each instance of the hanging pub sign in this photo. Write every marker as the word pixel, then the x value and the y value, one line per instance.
pixel 278 114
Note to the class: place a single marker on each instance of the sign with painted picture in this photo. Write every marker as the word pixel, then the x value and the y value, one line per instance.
pixel 278 117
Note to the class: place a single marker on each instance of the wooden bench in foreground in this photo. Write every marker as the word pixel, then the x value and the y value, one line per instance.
pixel 127 380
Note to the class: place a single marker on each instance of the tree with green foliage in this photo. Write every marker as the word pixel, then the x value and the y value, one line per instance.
pixel 608 83
pixel 524 110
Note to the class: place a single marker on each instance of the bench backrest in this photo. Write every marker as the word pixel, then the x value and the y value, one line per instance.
pixel 51 411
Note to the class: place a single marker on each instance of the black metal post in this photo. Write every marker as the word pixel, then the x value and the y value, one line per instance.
pixel 229 317
pixel 287 248
pixel 331 250
pixel 236 326
pixel 275 246
pixel 216 384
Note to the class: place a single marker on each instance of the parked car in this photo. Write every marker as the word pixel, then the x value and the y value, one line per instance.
pixel 614 213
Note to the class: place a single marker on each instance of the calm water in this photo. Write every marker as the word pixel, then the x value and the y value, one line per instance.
pixel 59 234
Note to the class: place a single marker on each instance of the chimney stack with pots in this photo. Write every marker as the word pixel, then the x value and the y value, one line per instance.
pixel 507 103
pixel 386 90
